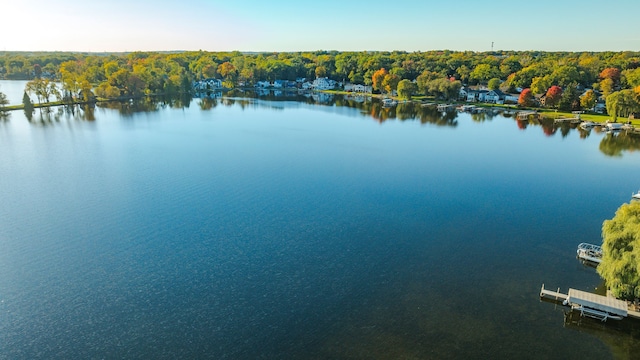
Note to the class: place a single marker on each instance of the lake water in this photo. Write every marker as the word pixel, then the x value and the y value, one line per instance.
pixel 14 90
pixel 262 229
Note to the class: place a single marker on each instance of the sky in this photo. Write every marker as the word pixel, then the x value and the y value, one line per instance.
pixel 343 25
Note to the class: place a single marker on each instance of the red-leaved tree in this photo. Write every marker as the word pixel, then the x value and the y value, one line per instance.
pixel 526 98
pixel 610 73
pixel 553 96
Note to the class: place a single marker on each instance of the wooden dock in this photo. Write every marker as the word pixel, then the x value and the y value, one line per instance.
pixel 573 120
pixel 525 115
pixel 552 295
pixel 593 305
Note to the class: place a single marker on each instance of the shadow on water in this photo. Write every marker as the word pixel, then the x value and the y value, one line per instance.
pixel 622 337
pixel 54 115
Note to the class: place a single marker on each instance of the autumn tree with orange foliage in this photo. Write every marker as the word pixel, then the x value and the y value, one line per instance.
pixel 526 98
pixel 610 73
pixel 378 78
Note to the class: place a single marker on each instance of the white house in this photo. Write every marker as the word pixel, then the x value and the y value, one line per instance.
pixel 323 84
pixel 511 98
pixel 359 88
pixel 207 84
pixel 263 84
pixel 476 95
pixel 494 96
pixel 464 93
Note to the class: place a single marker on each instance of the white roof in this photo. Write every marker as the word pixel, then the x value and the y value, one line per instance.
pixel 598 302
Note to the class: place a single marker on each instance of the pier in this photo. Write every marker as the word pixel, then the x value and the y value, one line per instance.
pixel 592 305
pixel 573 120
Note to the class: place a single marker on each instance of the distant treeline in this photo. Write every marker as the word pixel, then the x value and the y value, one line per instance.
pixel 139 73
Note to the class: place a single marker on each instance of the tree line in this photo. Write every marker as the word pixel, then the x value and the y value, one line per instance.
pixel 559 77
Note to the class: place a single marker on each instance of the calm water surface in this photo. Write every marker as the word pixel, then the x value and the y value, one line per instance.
pixel 14 90
pixel 280 229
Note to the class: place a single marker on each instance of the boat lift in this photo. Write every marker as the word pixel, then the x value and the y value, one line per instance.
pixel 588 304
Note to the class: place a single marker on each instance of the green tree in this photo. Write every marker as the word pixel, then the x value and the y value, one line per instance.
pixel 406 89
pixel 28 105
pixel 622 103
pixel 390 82
pixel 321 72
pixel 43 89
pixel 228 73
pixel 588 100
pixel 494 84
pixel 607 87
pixel 424 79
pixel 540 84
pixel 483 72
pixel 620 266
pixel 3 101
pixel 570 99
pixel 632 77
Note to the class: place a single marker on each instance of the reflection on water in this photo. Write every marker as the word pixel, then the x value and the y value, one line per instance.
pixel 622 337
pixel 612 144
pixel 615 143
pixel 48 116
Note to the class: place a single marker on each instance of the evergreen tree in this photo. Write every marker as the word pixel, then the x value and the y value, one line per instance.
pixel 28 105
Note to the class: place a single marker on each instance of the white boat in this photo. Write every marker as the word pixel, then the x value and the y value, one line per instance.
pixel 636 195
pixel 613 126
pixel 386 102
pixel 590 252
pixel 587 124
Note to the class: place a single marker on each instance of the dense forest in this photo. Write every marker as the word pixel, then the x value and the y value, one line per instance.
pixel 563 78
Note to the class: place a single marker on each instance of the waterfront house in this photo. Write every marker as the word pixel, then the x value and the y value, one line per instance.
pixel 495 97
pixel 359 88
pixel 207 84
pixel 323 83
pixel 464 93
pixel 476 95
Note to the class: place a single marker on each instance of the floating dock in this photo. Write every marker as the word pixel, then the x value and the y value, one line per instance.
pixel 592 305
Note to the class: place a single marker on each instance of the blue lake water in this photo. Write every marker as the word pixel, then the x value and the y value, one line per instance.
pixel 285 229
pixel 14 90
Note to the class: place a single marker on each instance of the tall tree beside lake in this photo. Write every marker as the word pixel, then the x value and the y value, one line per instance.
pixel 390 82
pixel 620 266
pixel 3 101
pixel 525 98
pixel 406 89
pixel 378 78
pixel 588 100
pixel 553 96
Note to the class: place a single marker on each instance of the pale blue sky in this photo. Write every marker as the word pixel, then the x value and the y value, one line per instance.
pixel 288 25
